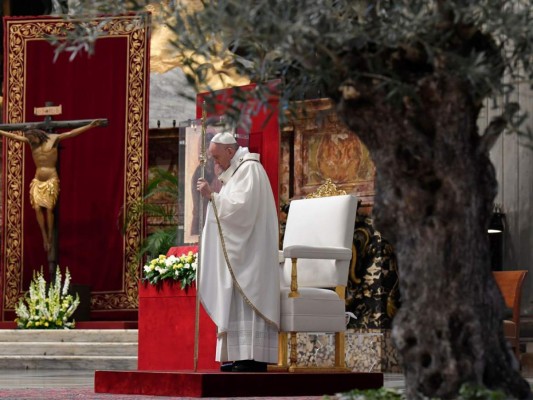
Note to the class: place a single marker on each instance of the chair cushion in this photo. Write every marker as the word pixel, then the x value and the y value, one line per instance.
pixel 316 310
pixel 313 252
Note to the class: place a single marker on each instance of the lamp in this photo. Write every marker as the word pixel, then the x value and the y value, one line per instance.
pixel 495 233
pixel 496 224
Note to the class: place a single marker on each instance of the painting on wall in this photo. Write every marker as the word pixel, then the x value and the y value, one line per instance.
pixel 322 147
pixel 339 156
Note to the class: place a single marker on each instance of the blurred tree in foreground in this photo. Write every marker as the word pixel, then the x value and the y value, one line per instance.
pixel 409 77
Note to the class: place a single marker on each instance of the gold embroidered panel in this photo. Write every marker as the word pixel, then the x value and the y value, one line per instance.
pixel 133 32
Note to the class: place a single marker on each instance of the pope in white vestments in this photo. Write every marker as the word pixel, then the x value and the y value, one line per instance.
pixel 239 277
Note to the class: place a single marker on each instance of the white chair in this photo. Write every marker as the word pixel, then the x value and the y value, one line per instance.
pixel 317 247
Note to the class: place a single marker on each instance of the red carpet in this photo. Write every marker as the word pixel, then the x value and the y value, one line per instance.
pixel 217 384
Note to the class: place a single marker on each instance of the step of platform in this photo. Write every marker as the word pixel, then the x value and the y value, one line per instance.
pixel 76 349
pixel 67 349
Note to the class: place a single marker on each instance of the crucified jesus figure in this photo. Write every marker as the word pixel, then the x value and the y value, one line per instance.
pixel 44 188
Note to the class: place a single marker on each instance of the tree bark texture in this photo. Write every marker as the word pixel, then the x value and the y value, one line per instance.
pixel 435 188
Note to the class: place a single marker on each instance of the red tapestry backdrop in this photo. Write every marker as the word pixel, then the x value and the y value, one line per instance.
pixel 101 171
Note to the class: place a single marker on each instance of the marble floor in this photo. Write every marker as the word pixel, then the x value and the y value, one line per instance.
pixel 33 379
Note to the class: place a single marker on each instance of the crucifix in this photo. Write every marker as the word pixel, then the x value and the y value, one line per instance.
pixel 44 188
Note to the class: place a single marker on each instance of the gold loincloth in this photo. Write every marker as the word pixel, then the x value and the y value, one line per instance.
pixel 44 194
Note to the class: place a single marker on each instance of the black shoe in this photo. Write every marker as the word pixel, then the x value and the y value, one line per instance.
pixel 249 366
pixel 226 367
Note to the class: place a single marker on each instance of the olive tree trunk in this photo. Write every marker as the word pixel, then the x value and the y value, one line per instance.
pixel 435 187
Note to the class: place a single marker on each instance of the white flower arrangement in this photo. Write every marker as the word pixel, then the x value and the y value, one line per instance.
pixel 181 269
pixel 43 311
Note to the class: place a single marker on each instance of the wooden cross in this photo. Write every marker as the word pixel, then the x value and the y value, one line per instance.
pixel 49 126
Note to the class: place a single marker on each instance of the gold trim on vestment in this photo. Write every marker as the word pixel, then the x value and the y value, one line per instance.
pixel 135 29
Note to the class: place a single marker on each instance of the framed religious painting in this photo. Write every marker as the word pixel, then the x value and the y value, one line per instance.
pixel 321 147
pixel 191 205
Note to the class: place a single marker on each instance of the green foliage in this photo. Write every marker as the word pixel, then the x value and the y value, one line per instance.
pixel 473 392
pixel 162 184
pixel 372 394
pixel 162 181
pixel 346 49
pixel 47 309
pixel 467 392
pixel 316 46
pixel 159 242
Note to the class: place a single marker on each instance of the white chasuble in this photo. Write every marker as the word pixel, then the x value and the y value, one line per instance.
pixel 239 277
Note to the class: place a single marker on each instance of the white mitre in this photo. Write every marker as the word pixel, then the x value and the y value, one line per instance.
pixel 224 138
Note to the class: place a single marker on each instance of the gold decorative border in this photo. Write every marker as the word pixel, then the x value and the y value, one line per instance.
pixel 136 29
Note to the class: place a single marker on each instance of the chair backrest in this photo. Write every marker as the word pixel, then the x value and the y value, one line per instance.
pixel 510 284
pixel 320 222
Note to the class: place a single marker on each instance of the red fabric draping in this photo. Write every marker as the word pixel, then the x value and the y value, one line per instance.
pixel 178 251
pixel 101 171
pixel 91 166
pixel 264 132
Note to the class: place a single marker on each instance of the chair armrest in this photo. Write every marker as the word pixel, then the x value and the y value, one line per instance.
pixel 319 253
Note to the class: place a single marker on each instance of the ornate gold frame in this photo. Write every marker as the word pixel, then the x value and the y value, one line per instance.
pixel 328 188
pixel 19 32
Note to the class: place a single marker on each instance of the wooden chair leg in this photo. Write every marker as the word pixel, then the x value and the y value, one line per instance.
pixel 283 345
pixel 340 350
pixel 294 352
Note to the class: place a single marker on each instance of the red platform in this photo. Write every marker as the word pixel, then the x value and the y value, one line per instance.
pixel 166 329
pixel 232 384
pixel 165 367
